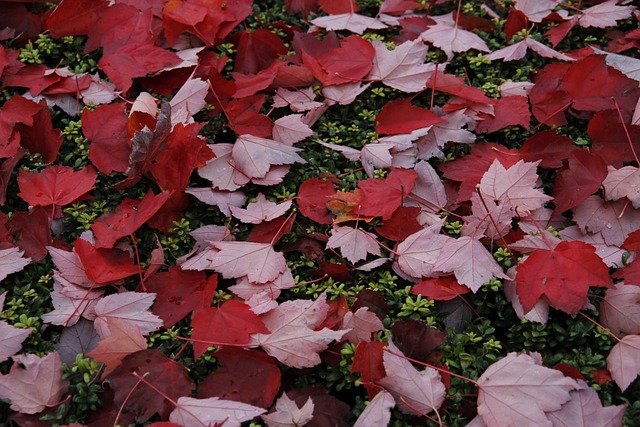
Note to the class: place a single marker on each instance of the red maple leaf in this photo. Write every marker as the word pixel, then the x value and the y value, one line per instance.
pixel 400 116
pixel 231 324
pixel 55 185
pixel 583 177
pixel 382 196
pixel 104 265
pixel 105 127
pixel 562 275
pixel 126 219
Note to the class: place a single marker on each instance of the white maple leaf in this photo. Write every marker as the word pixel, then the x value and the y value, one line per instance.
pixel 294 339
pixel 261 210
pixel 624 361
pixel 402 68
pixel 287 413
pixel 212 411
pixel 606 14
pixel 298 100
pixel 378 411
pixel 416 392
pixel 354 243
pixel 258 261
pixel 353 22
pixel 518 50
pixel 516 390
pixel 343 94
pixel 536 10
pixel 188 101
pixel 469 261
pixel 516 184
pixel 12 261
pixel 623 182
pixel 254 156
pixel 428 190
pixel 291 129
pixel 223 199
pixel 11 338
pixel 417 254
pixel 130 307
pixel 449 37
pixel 221 170
pixel 614 220
pixel 585 409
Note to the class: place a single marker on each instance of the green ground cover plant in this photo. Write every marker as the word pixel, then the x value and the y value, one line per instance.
pixel 319 213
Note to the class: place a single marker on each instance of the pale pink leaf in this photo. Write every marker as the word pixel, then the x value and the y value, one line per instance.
pixel 188 101
pixel 298 100
pixel 627 65
pixel 623 182
pixel 212 412
pixel 451 38
pixel 623 361
pixel 130 307
pixel 71 302
pixel 518 185
pixel 353 22
pixel 428 190
pixel 145 103
pixel 258 261
pixel 378 411
pixel 274 176
pixel 517 390
pixel 294 339
pixel 11 338
pixel 469 261
pixel 343 94
pixel 615 220
pixel 224 200
pixel 33 383
pixel 417 254
pixel 246 289
pixel 210 233
pixel 287 413
pixel 620 310
pixel 585 410
pixel 99 91
pixel 439 134
pixel 261 210
pixel 376 156
pixel 402 68
pixel 291 129
pixel 362 323
pixel 536 10
pixel 352 154
pixel 254 156
pixel 200 261
pixel 221 170
pixel 606 14
pixel 69 266
pixel 415 392
pixel 483 221
pixel 12 261
pixel 354 243
pixel 517 51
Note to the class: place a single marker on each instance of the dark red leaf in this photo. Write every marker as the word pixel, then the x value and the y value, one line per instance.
pixel 271 231
pixel 440 288
pixel 166 375
pixel 368 361
pixel 583 177
pixel 508 111
pixel 416 339
pixel 257 50
pixel 609 139
pixel 516 21
pixel 548 147
pixel 179 292
pixel 105 128
pixel 55 185
pixel 401 225
pixel 248 376
pixel 313 196
pixel 74 18
pixel 32 231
